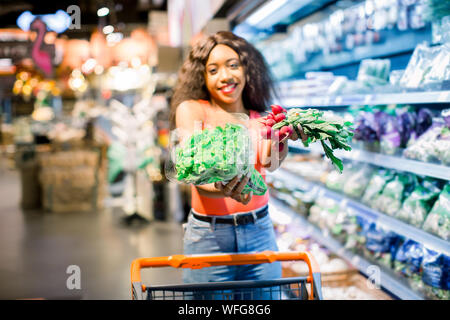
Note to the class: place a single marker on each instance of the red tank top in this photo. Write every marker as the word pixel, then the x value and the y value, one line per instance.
pixel 225 206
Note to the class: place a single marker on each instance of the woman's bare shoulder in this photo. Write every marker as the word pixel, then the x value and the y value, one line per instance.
pixel 190 107
pixel 189 111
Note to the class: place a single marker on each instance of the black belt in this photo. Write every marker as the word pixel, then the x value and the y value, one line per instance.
pixel 236 219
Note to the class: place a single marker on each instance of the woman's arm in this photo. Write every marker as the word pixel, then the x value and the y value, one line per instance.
pixel 189 115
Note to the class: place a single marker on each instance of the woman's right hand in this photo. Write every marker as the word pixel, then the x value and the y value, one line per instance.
pixel 233 189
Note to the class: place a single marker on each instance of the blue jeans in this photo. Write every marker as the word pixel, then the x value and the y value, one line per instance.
pixel 205 238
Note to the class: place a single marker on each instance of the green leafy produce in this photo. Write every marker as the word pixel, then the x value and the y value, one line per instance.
pixel 218 154
pixel 394 192
pixel 438 220
pixel 320 128
pixel 435 10
pixel 376 186
pixel 416 207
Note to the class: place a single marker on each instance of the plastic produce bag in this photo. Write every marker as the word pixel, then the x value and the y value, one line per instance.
pixel 408 258
pixel 391 199
pixel 433 145
pixel 391 139
pixel 357 182
pixel 218 154
pixel 381 244
pixel 438 220
pixel 408 262
pixel 376 186
pixel 436 277
pixel 374 72
pixel 416 207
pixel 428 67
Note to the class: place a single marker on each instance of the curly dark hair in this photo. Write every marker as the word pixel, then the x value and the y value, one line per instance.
pixel 259 86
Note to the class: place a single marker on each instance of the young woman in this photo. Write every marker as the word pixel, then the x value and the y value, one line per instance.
pixel 224 75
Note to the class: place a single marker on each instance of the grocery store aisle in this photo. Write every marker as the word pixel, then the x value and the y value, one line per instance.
pixel 37 248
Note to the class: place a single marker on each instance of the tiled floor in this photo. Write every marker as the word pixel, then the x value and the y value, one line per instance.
pixel 37 248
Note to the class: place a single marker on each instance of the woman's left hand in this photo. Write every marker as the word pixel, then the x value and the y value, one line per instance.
pixel 294 136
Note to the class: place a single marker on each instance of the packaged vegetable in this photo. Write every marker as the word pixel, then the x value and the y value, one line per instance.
pixel 376 186
pixel 436 277
pixel 426 147
pixel 406 124
pixel 381 244
pixel 438 220
pixel 416 207
pixel 394 192
pixel 357 182
pixel 374 72
pixel 424 120
pixel 408 262
pixel 218 154
pixel 391 139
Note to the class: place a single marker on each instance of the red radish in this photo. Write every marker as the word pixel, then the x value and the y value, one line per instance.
pixel 266 132
pixel 270 122
pixel 270 116
pixel 280 117
pixel 286 131
pixel 280 147
pixel 276 109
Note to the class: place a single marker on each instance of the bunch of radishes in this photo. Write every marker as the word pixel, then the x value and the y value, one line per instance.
pixel 277 115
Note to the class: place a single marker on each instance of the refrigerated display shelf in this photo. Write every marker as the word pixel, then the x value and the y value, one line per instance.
pixel 417 167
pixel 401 228
pixel 367 99
pixel 388 281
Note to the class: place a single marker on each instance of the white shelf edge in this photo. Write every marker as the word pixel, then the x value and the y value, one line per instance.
pixel 386 161
pixel 367 99
pixel 387 281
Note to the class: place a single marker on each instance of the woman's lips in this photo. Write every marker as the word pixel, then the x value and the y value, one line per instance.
pixel 228 88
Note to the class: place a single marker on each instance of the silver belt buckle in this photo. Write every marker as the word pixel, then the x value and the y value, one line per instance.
pixel 235 220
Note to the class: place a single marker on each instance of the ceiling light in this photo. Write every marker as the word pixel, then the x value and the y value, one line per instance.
pixel 108 29
pixel 103 12
pixel 265 11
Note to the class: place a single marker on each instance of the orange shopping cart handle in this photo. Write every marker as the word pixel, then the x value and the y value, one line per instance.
pixel 203 261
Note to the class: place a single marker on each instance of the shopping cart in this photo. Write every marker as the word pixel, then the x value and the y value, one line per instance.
pixel 277 289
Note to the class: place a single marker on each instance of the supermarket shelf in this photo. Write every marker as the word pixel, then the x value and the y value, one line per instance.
pixel 388 281
pixel 391 162
pixel 401 228
pixel 367 99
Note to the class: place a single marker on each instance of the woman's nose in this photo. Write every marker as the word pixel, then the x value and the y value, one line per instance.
pixel 224 75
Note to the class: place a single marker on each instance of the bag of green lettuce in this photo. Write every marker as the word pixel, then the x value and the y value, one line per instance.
pixel 376 185
pixel 416 207
pixel 438 220
pixel 218 154
pixel 394 192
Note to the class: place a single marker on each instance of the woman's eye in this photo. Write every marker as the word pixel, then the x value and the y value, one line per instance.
pixel 234 65
pixel 212 71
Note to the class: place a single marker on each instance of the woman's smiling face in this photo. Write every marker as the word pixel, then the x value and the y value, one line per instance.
pixel 224 76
